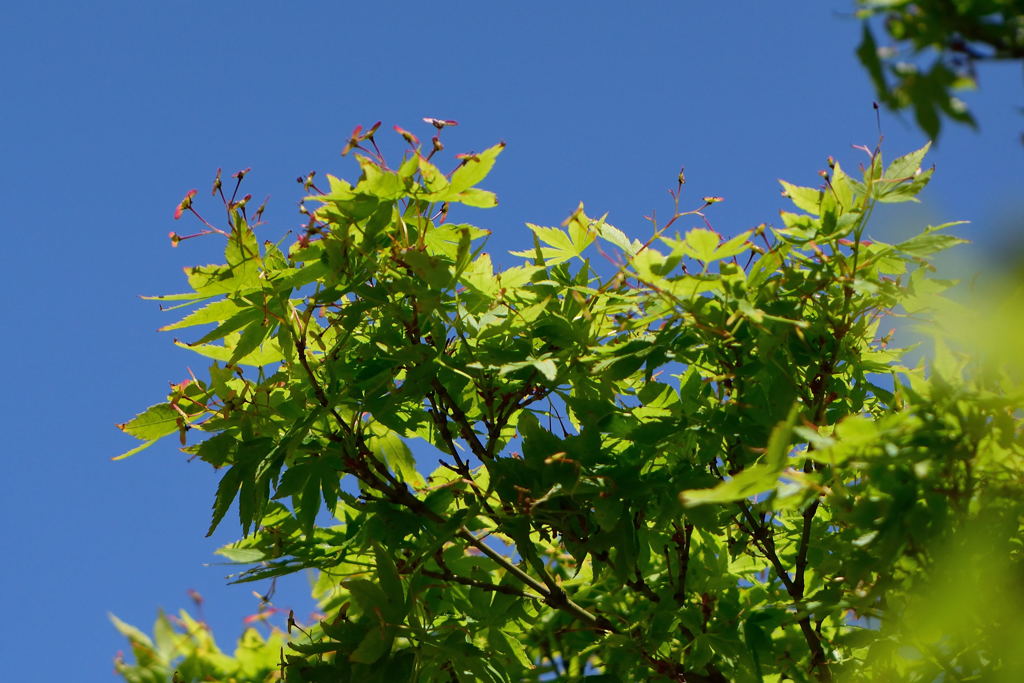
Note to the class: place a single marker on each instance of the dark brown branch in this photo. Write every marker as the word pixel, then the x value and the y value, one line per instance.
pixel 801 551
pixel 462 420
pixel 765 542
pixel 640 586
pixel 554 597
pixel 557 599
pixel 461 467
pixel 441 423
pixel 318 391
pixel 448 575
pixel 682 540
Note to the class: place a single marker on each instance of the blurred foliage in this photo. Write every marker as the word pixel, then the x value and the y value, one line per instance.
pixel 183 649
pixel 933 52
pixel 694 458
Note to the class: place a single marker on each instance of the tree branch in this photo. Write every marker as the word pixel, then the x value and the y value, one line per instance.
pixel 682 538
pixel 801 551
pixel 558 600
pixel 449 575
pixel 765 541
pixel 461 466
pixel 460 417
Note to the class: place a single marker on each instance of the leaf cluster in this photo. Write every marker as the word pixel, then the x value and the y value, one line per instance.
pixel 938 45
pixel 692 458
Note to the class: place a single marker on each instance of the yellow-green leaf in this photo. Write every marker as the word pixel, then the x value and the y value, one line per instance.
pixel 153 422
pixel 805 198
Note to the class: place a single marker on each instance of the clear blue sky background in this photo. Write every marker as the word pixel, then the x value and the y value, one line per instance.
pixel 112 110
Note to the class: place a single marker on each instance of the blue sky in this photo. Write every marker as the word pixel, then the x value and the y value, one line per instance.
pixel 113 110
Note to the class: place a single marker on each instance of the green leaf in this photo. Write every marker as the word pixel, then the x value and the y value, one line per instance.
pixel 843 186
pixel 216 311
pixel 853 436
pixel 615 236
pixel 701 244
pixel 227 489
pixel 908 165
pixel 753 480
pixel 805 198
pixel 242 251
pixel 387 574
pixel 475 197
pixel 747 483
pixel 236 322
pixel 867 53
pixel 268 353
pixel 250 341
pixel 777 452
pixel 395 452
pixel 447 240
pixel 368 595
pixel 378 182
pixel 308 504
pixel 581 230
pixel 135 450
pixel 130 632
pixel 217 450
pixel 926 113
pixel 213 280
pixel 510 644
pixel 547 368
pixel 187 297
pixel 241 555
pixel 374 645
pixel 165 637
pixel 473 169
pixel 928 242
pixel 737 245
pixel 559 245
pixel 153 423
pixel 433 180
